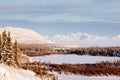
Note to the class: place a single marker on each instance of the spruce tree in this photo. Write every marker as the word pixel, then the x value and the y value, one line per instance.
pixel 5 53
pixel 4 37
pixel 8 42
pixel 3 43
pixel 16 54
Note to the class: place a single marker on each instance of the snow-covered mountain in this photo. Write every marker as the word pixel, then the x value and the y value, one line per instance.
pixel 84 39
pixel 76 38
pixel 9 73
pixel 26 36
pixel 70 40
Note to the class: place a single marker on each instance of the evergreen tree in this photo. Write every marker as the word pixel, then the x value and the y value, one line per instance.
pixel 4 37
pixel 16 54
pixel 5 53
pixel 8 42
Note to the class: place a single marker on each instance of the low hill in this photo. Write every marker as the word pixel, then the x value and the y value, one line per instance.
pixel 26 36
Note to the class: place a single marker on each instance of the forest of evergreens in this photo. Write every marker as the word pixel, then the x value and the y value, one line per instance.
pixel 37 50
pixel 9 51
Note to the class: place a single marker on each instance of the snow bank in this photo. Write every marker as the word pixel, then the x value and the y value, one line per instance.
pixel 73 59
pixel 9 73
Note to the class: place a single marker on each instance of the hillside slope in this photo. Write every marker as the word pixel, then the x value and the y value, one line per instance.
pixel 9 73
pixel 26 36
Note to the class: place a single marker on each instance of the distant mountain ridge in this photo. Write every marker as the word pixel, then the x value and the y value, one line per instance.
pixel 84 39
pixel 27 36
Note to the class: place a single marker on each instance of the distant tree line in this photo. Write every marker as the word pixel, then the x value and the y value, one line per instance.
pixel 35 50
pixel 97 51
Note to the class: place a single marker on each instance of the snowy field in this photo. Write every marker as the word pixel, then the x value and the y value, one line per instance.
pixel 72 77
pixel 73 59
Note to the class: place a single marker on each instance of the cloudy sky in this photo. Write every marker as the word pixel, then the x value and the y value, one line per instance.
pixel 53 17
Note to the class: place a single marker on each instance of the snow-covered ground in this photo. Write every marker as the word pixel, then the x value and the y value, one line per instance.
pixel 73 77
pixel 73 59
pixel 9 73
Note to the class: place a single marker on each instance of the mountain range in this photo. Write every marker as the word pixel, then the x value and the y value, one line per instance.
pixel 83 39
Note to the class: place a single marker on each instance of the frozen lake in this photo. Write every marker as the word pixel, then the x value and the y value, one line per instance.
pixel 73 59
pixel 73 77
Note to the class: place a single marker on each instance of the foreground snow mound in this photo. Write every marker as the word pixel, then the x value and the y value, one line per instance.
pixel 26 36
pixel 9 73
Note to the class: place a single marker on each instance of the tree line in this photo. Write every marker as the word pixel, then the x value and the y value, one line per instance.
pixel 38 50
pixel 103 68
pixel 97 51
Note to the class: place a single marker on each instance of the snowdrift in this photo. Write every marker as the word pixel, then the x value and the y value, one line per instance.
pixel 9 73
